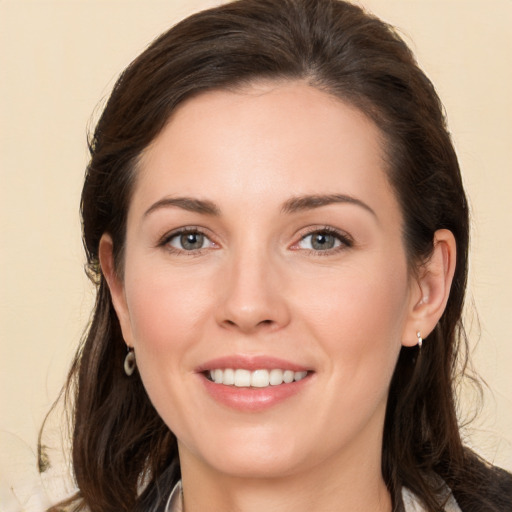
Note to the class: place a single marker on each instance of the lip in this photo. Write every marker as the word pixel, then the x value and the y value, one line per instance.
pixel 251 363
pixel 252 399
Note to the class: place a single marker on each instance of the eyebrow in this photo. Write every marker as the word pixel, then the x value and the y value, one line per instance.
pixel 292 205
pixel 186 203
pixel 310 202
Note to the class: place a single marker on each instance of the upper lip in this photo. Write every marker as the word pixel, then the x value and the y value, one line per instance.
pixel 252 363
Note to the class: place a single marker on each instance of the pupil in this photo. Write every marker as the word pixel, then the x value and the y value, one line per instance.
pixel 322 241
pixel 192 241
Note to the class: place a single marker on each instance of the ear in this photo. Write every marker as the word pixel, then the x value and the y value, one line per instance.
pixel 115 285
pixel 431 289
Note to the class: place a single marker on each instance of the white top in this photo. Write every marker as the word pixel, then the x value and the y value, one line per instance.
pixel 411 501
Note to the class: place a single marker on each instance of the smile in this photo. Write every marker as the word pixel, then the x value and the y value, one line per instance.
pixel 261 378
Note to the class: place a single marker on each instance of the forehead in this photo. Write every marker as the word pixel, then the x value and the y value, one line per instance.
pixel 265 141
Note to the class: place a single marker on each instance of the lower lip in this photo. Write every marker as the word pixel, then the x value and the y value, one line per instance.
pixel 253 399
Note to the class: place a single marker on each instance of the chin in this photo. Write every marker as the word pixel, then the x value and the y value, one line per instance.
pixel 248 455
pixel 258 467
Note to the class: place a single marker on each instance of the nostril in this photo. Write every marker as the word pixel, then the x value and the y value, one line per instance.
pixel 231 323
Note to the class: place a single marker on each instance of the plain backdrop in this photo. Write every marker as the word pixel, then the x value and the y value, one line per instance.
pixel 58 62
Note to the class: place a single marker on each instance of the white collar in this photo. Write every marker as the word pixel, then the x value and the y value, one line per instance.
pixel 175 501
pixel 413 504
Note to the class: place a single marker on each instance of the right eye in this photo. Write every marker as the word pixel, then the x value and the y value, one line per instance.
pixel 189 241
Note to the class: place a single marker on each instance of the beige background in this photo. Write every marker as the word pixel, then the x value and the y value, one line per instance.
pixel 58 59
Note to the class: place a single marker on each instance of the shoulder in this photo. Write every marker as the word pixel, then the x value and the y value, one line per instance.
pixel 486 487
pixel 482 487
pixel 411 503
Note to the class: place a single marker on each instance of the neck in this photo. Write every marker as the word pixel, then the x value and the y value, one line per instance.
pixel 355 485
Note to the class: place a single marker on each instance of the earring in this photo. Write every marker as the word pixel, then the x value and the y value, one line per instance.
pixel 420 339
pixel 129 363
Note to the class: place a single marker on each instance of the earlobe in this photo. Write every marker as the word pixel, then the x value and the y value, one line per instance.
pixel 432 288
pixel 115 285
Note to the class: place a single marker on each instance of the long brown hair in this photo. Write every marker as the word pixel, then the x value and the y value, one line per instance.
pixel 124 456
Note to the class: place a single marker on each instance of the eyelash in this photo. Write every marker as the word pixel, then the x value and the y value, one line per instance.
pixel 167 238
pixel 345 240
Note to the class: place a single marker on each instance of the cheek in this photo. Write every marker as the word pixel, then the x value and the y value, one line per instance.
pixel 168 316
pixel 357 319
pixel 359 316
pixel 162 304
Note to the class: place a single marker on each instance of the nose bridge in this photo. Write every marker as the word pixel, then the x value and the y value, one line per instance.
pixel 253 295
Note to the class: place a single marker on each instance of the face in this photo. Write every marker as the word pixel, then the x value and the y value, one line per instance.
pixel 266 291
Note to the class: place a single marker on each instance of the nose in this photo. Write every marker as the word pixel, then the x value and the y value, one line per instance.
pixel 253 295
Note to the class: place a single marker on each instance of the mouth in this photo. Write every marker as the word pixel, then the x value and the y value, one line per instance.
pixel 254 383
pixel 260 378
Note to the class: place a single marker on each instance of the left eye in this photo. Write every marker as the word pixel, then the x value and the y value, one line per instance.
pixel 320 241
pixel 190 241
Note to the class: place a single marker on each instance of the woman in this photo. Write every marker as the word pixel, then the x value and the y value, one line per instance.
pixel 274 217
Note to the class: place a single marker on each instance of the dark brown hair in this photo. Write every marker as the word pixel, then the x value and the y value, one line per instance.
pixel 123 453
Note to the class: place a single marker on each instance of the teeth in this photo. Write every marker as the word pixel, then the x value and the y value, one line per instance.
pixel 242 378
pixel 276 377
pixel 228 377
pixel 288 376
pixel 257 379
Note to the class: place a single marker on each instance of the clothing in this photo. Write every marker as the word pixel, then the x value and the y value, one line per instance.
pixel 411 502
pixel 175 501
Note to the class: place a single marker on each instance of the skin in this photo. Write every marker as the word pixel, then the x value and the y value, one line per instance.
pixel 257 287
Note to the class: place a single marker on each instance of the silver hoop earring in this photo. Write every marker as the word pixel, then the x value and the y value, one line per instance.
pixel 420 339
pixel 129 363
